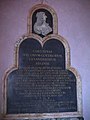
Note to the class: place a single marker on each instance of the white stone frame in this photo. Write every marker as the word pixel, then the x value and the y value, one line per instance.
pixel 68 66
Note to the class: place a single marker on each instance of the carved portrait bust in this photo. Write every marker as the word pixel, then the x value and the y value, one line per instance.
pixel 41 26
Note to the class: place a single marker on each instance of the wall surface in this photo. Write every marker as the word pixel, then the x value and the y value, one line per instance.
pixel 73 24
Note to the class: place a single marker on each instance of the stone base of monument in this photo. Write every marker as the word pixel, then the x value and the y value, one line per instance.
pixel 69 118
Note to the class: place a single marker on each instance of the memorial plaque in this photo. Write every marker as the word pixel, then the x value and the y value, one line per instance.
pixel 42 84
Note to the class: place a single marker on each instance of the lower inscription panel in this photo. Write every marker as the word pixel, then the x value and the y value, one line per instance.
pixel 41 90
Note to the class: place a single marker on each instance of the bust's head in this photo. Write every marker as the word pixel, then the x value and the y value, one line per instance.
pixel 41 17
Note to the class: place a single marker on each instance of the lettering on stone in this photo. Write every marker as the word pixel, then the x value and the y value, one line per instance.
pixel 40 85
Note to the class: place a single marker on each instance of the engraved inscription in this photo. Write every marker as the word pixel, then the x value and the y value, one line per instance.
pixel 47 86
pixel 41 84
pixel 41 57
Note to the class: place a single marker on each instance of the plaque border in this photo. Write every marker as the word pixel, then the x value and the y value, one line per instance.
pixel 78 113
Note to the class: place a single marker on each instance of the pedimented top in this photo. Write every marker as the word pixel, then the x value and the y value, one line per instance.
pixel 42 20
